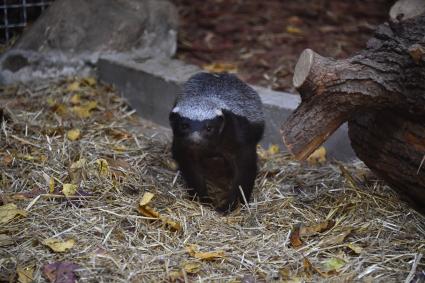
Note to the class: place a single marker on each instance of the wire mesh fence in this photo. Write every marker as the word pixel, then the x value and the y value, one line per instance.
pixel 15 15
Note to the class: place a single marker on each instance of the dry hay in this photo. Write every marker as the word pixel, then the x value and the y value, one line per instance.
pixel 373 236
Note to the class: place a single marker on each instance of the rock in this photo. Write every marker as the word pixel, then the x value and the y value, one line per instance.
pixel 72 34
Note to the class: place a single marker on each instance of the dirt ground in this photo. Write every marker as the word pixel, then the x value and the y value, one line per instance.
pixel 263 39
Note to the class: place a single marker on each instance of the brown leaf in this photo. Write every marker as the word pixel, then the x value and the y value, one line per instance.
pixel 295 238
pixel 317 228
pixel 148 211
pixel 7 160
pixel 192 267
pixel 63 272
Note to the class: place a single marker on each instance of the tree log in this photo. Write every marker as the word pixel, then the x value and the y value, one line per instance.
pixel 383 76
pixel 381 93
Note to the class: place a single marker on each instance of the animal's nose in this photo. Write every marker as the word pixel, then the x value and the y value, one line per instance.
pixel 195 137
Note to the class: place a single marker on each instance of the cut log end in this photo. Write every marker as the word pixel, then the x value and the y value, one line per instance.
pixel 303 67
pixel 406 9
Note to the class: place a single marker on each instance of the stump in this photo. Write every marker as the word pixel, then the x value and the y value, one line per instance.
pixel 381 93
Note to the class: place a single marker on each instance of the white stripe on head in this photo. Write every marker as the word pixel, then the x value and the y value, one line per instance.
pixel 175 110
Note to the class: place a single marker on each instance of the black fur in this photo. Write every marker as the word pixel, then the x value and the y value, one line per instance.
pixel 224 152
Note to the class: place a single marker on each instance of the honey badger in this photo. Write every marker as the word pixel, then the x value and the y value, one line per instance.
pixel 217 122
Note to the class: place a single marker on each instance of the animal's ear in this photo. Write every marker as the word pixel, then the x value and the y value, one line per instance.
pixel 174 114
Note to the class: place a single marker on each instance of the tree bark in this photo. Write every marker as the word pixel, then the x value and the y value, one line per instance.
pixel 384 76
pixel 381 93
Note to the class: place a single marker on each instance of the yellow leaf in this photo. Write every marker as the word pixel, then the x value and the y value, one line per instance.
pixel 59 109
pixel 58 245
pixel 221 67
pixel 192 267
pixel 90 81
pixel 51 101
pixel 318 156
pixel 334 264
pixel 75 99
pixel 73 87
pixel 10 211
pixel 293 30
pixel 73 134
pixel 51 185
pixel 148 211
pixel 193 251
pixel 102 167
pixel 355 248
pixel 147 197
pixel 69 189
pixel 84 110
pixel 25 274
pixel 210 255
pixel 273 149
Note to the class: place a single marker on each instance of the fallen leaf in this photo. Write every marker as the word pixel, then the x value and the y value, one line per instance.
pixel 293 30
pixel 317 228
pixel 336 239
pixel 209 255
pixel 273 149
pixel 117 166
pixel 76 171
pixel 5 240
pixel 7 160
pixel 63 272
pixel 221 67
pixel 25 274
pixel 69 189
pixel 84 110
pixel 334 264
pixel 147 197
pixel 73 134
pixel 318 156
pixel 51 185
pixel 192 250
pixel 118 134
pixel 355 248
pixel 90 81
pixel 148 211
pixel 10 211
pixel 59 109
pixel 58 245
pixel 74 87
pixel 295 237
pixel 75 99
pixel 102 167
pixel 119 148
pixel 192 267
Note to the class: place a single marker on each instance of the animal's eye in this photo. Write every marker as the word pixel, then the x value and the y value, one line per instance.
pixel 208 128
pixel 184 126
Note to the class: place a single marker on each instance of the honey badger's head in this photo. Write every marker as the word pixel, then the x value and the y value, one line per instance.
pixel 198 123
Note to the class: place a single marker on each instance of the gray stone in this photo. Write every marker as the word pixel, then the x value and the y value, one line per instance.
pixel 151 85
pixel 24 66
pixel 142 27
pixel 71 35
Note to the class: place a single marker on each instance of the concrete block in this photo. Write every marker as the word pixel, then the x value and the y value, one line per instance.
pixel 151 85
